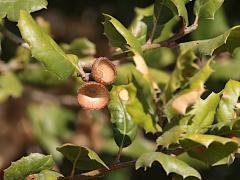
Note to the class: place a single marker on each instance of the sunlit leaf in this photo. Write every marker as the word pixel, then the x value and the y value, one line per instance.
pixel 118 35
pixel 216 27
pixel 204 111
pixel 209 148
pixel 45 49
pixel 170 164
pixel 229 99
pixel 228 41
pixel 145 94
pixel 83 157
pixel 12 8
pixel 207 8
pixel 171 136
pixel 25 166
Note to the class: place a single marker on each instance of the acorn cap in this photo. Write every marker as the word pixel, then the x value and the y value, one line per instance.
pixel 92 95
pixel 103 71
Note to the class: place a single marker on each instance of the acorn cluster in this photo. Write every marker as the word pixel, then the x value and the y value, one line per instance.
pixel 93 94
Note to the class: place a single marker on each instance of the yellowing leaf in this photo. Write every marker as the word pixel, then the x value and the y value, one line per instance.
pixel 181 102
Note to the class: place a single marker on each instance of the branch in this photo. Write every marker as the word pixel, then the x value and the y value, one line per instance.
pixel 101 171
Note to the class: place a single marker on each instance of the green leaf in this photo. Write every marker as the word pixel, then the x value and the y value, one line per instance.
pixel 145 95
pixel 229 99
pixel 170 164
pixel 171 136
pixel 207 8
pixel 81 47
pixel 12 8
pixel 50 124
pixel 47 175
pixel 164 10
pixel 124 75
pixel 135 109
pixel 204 111
pixel 45 49
pixel 128 73
pixel 165 31
pixel 25 166
pixel 228 41
pixel 216 27
pixel 9 86
pixel 229 129
pixel 118 35
pixel 225 161
pixel 209 148
pixel 159 58
pixel 83 158
pixel 193 162
pixel 160 77
pixel 138 27
pixel 124 127
pixel 139 31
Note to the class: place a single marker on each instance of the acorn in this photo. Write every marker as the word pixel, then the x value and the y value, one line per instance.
pixel 93 95
pixel 103 71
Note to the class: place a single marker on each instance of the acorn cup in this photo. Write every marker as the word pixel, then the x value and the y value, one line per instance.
pixel 103 71
pixel 93 96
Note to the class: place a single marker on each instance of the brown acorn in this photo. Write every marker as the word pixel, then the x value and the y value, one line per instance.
pixel 92 95
pixel 103 71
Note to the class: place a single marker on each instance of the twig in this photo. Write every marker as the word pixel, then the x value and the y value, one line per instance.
pixel 14 38
pixel 170 42
pixel 83 74
pixel 100 172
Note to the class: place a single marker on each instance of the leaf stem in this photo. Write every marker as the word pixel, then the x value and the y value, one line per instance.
pixel 101 171
pixel 119 154
pixel 75 163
